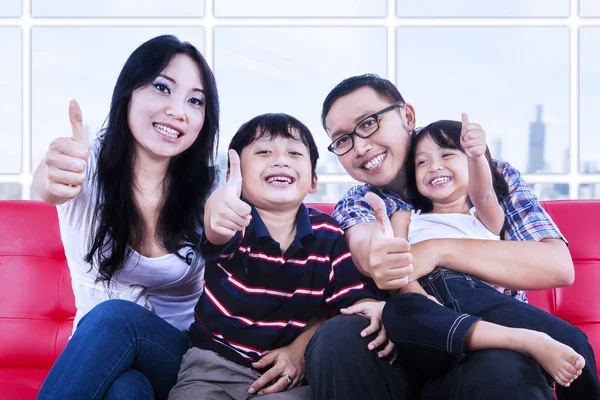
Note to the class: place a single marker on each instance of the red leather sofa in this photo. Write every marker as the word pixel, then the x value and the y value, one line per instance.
pixel 37 304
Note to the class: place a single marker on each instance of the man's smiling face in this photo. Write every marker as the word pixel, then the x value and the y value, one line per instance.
pixel 378 159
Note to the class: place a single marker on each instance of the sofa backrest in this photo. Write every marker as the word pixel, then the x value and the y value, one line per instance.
pixel 36 300
pixel 579 304
pixel 37 304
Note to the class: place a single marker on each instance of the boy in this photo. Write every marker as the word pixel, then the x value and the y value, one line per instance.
pixel 272 265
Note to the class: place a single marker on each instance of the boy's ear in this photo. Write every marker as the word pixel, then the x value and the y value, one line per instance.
pixel 314 184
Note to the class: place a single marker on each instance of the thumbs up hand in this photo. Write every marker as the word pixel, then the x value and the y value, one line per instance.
pixel 381 217
pixel 389 259
pixel 472 138
pixel 225 213
pixel 66 158
pixel 76 120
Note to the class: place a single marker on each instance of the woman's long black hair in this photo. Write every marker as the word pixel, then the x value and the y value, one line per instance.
pixel 190 175
pixel 445 134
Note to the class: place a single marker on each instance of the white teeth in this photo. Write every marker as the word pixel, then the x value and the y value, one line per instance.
pixel 165 130
pixel 283 179
pixel 374 162
pixel 441 179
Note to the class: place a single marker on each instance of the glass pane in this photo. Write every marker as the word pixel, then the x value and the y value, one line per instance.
pixel 478 8
pixel 589 191
pixel 10 191
pixel 517 89
pixel 10 101
pixel 589 8
pixel 300 8
pixel 255 76
pixel 10 8
pixel 60 74
pixel 117 8
pixel 550 191
pixel 34 195
pixel 589 101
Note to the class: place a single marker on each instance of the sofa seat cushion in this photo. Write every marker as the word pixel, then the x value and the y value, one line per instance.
pixel 21 383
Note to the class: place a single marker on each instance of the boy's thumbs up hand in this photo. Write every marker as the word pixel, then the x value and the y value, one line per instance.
pixel 389 258
pixel 66 158
pixel 225 213
pixel 234 180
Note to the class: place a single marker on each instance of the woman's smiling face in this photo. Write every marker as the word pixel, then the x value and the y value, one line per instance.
pixel 166 116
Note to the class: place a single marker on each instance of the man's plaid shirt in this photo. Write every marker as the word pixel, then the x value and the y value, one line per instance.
pixel 525 217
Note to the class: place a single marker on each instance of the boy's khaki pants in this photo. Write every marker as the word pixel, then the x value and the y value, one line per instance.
pixel 206 375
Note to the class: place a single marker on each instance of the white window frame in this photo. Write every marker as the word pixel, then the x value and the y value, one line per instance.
pixel 391 22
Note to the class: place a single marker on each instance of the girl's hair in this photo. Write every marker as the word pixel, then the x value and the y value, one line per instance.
pixel 445 134
pixel 189 178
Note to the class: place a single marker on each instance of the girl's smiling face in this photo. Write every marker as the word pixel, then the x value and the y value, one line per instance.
pixel 442 174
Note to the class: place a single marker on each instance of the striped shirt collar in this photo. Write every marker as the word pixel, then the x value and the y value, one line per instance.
pixel 303 225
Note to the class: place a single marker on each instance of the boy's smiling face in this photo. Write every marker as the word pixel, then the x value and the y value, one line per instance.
pixel 277 173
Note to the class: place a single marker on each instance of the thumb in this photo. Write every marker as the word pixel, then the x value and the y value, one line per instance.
pixel 234 177
pixel 353 309
pixel 381 216
pixel 465 123
pixel 76 122
pixel 267 360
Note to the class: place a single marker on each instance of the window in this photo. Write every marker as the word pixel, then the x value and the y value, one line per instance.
pixel 478 8
pixel 82 63
pixel 10 101
pixel 118 8
pixel 513 81
pixel 526 70
pixel 589 97
pixel 10 8
pixel 300 8
pixel 290 70
pixel 589 8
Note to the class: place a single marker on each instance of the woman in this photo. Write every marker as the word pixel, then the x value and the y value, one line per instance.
pixel 131 209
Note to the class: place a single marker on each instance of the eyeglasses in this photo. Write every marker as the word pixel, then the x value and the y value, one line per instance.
pixel 363 129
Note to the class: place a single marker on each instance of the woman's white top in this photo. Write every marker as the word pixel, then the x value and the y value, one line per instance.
pixel 166 285
pixel 448 226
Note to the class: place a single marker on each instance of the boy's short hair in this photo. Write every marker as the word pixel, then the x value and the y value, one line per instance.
pixel 272 125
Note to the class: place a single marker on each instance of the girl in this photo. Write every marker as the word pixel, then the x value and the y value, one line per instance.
pixel 456 190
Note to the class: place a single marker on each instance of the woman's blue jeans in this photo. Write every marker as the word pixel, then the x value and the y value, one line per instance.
pixel 120 350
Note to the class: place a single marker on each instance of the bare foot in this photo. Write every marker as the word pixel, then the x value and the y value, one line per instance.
pixel 560 361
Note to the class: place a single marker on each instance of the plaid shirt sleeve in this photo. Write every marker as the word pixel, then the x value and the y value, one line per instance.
pixel 525 217
pixel 352 209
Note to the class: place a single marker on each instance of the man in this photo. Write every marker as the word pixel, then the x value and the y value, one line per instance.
pixel 370 125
